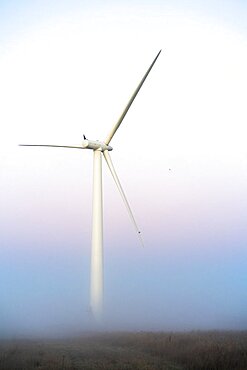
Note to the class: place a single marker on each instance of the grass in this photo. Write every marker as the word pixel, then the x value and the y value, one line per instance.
pixel 127 351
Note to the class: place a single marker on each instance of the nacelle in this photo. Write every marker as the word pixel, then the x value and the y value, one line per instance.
pixel 95 145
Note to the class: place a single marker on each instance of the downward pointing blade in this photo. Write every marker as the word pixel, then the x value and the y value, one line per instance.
pixel 116 179
pixel 53 146
pixel 114 129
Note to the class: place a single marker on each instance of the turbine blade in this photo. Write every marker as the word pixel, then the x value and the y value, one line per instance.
pixel 53 146
pixel 116 179
pixel 114 129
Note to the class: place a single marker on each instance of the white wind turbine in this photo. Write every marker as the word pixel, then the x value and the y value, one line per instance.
pixel 99 147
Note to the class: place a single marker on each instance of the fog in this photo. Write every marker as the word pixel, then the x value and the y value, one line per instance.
pixel 47 295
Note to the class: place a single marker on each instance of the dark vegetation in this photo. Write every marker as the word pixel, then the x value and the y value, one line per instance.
pixel 127 351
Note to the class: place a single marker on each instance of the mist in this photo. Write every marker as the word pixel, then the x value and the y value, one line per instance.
pixel 47 294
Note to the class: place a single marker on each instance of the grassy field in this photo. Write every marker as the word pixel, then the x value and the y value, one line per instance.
pixel 126 351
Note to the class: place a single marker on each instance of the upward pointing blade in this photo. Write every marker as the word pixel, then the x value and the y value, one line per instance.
pixel 114 129
pixel 116 179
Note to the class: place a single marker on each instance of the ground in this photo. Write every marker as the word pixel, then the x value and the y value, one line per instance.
pixel 126 351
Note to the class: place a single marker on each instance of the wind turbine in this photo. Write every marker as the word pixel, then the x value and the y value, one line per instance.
pixel 99 148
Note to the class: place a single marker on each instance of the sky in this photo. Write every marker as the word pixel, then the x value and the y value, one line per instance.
pixel 68 68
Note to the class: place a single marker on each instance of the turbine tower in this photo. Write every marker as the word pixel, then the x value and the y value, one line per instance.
pixel 99 148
